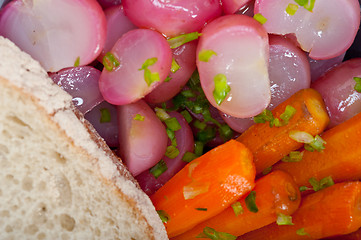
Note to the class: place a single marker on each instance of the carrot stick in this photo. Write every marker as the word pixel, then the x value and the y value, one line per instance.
pixel 205 187
pixel 332 211
pixel 275 193
pixel 352 236
pixel 341 158
pixel 271 144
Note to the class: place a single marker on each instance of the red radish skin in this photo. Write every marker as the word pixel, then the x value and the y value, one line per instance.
pixel 326 32
pixel 56 32
pixel 185 143
pixel 117 25
pixel 109 3
pixel 82 84
pixel 126 83
pixel 319 67
pixel 241 45
pixel 232 6
pixel 141 143
pixel 185 56
pixel 337 89
pixel 107 130
pixel 174 17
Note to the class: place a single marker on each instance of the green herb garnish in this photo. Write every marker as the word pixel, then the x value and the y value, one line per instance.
pixel 172 152
pixel 294 156
pixel 211 233
pixel 182 39
pixel 205 55
pixel 284 219
pixel 221 88
pixel 358 84
pixel 105 115
pixel 150 77
pixel 291 9
pixel 322 184
pixel 251 202
pixel 110 62
pixel 139 117
pixel 175 66
pixel 77 62
pixel 158 169
pixel 260 18
pixel 237 208
pixel 163 216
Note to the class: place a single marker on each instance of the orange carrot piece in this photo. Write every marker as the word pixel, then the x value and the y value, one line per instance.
pixel 271 144
pixel 206 186
pixel 275 193
pixel 352 236
pixel 341 158
pixel 332 211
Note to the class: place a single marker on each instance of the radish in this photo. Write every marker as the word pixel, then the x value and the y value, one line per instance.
pixel 325 30
pixel 142 137
pixel 232 6
pixel 57 33
pixel 232 60
pixel 143 60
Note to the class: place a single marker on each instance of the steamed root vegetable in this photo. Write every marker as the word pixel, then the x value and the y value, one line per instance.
pixel 329 212
pixel 139 61
pixel 57 33
pixel 232 6
pixel 338 90
pixel 352 236
pixel 184 64
pixel 341 158
pixel 270 144
pixel 184 143
pixel 205 187
pixel 325 28
pixel 276 194
pixel 142 137
pixel 82 84
pixel 232 60
pixel 319 67
pixel 172 18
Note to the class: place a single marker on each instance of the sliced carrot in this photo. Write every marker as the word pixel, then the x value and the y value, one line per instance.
pixel 205 187
pixel 341 158
pixel 332 211
pixel 276 193
pixel 271 144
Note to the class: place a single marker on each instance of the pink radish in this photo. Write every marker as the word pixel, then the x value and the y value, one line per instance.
pixel 337 87
pixel 142 136
pixel 57 33
pixel 82 84
pixel 117 25
pixel 319 67
pixel 137 53
pixel 185 143
pixel 174 17
pixel 232 60
pixel 109 3
pixel 185 57
pixel 232 6
pixel 326 30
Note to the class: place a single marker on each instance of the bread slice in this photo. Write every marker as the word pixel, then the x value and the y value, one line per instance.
pixel 58 179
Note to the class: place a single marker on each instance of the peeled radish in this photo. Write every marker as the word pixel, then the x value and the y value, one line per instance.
pixel 232 60
pixel 337 88
pixel 174 17
pixel 137 53
pixel 142 137
pixel 325 31
pixel 82 84
pixel 57 33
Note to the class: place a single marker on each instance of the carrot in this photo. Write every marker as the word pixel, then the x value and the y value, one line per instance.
pixel 276 193
pixel 352 236
pixel 332 211
pixel 271 144
pixel 205 187
pixel 341 158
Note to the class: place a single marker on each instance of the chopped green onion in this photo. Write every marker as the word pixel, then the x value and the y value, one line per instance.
pixel 265 116
pixel 294 156
pixel 77 62
pixel 158 169
pixel 167 79
pixel 221 88
pixel 291 9
pixel 139 117
pixel 206 135
pixel 174 142
pixel 188 93
pixel 198 148
pixel 225 131
pixel 267 170
pixel 304 188
pixel 163 216
pixel 287 114
pixel 172 123
pixel 161 114
pixel 251 202
pixel 316 144
pixel 189 157
pixel 358 84
pixel 150 77
pixel 310 4
pixel 301 232
pixel 182 39
pixel 200 125
pixel 301 136
pixel 105 115
pixel 187 116
pixel 284 219
pixel 110 62
pixel 237 208
pixel 175 67
pixel 323 183
pixel 170 133
pixel 171 152
pixel 215 235
pixel 260 18
pixel 201 209
pixel 205 55
pixel 149 62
